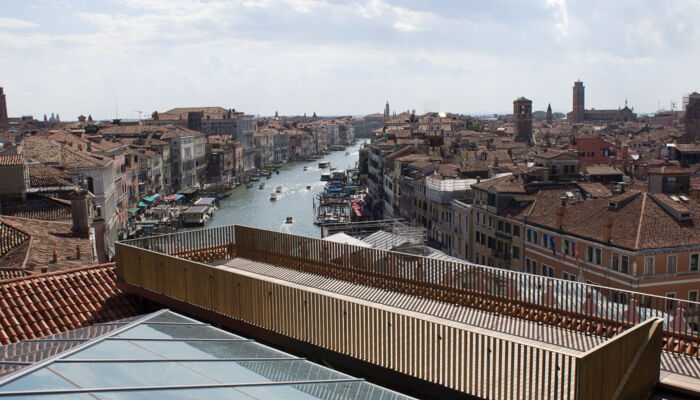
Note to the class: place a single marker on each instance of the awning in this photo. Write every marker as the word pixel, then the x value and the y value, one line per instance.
pixel 148 199
pixel 173 197
pixel 142 204
pixel 134 210
pixel 155 196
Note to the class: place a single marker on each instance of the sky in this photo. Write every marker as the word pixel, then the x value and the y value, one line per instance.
pixel 113 58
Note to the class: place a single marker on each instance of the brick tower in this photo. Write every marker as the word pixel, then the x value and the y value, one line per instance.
pixel 692 119
pixel 522 113
pixel 549 115
pixel 4 119
pixel 578 111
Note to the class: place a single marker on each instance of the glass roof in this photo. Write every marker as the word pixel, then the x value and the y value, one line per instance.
pixel 166 355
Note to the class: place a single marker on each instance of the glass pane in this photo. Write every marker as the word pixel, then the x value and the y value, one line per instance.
pixel 32 351
pixel 120 374
pixel 170 316
pixel 40 379
pixel 186 349
pixel 177 332
pixel 180 394
pixel 114 350
pixel 263 371
pixel 325 391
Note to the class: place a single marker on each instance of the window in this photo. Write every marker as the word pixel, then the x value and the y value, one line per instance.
pixel 528 265
pixel 516 252
pixel 590 254
pixel 500 225
pixel 648 266
pixel 624 264
pixel 545 239
pixel 477 218
pixel 694 258
pixel 516 230
pixel 568 276
pixel 693 296
pixel 547 270
pixel 490 242
pixel 528 233
pixel 506 228
pixel 615 262
pixel 535 236
pixel 671 264
pixel 490 221
pixel 599 256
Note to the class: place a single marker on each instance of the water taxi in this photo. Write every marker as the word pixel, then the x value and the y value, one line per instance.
pixel 289 220
pixel 278 189
pixel 324 164
pixel 262 186
pixel 273 196
pixel 305 168
pixel 308 187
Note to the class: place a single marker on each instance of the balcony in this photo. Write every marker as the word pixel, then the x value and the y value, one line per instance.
pixel 483 331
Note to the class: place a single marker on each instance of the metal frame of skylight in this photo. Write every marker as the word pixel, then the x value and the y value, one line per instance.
pixel 87 343
pixel 161 360
pixel 174 387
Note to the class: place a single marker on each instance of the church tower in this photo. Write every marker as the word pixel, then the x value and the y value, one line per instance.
pixel 4 118
pixel 522 114
pixel 549 116
pixel 692 119
pixel 578 113
pixel 386 110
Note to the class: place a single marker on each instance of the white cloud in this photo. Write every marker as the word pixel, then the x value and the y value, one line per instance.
pixel 16 23
pixel 560 13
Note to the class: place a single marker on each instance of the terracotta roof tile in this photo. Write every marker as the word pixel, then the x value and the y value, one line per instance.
pixel 11 159
pixel 71 302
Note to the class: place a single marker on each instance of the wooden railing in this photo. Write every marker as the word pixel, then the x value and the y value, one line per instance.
pixel 472 360
pixel 597 310
pixel 571 305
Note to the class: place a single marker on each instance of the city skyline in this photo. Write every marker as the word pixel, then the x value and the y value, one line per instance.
pixel 341 58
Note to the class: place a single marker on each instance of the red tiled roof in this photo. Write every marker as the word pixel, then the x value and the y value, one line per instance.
pixel 56 302
pixel 11 159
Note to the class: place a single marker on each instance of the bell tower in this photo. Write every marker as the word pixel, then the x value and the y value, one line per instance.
pixel 522 114
pixel 578 113
pixel 4 119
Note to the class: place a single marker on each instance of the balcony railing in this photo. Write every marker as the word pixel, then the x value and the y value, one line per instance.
pixel 169 269
pixel 597 310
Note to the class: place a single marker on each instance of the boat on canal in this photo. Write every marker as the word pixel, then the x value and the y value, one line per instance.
pixel 261 186
pixel 278 189
pixel 324 164
pixel 273 196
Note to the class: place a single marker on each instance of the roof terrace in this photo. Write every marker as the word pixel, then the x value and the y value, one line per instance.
pixel 430 327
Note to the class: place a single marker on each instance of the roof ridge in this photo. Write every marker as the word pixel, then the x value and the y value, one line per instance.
pixel 61 272
pixel 641 219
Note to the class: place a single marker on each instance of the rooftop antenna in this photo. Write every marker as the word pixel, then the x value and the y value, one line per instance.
pixel 140 112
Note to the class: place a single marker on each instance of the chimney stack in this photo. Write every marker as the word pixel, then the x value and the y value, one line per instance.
pixel 79 211
pixel 561 210
pixel 607 229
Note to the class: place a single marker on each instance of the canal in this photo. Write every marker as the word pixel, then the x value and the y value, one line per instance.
pixel 253 207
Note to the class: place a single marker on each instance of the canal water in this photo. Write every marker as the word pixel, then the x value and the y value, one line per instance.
pixel 253 207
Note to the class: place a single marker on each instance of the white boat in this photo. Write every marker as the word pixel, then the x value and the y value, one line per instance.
pixel 278 189
pixel 324 164
pixel 273 196
pixel 289 220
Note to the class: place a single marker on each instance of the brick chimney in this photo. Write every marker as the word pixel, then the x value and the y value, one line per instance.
pixel 79 211
pixel 607 229
pixel 561 211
